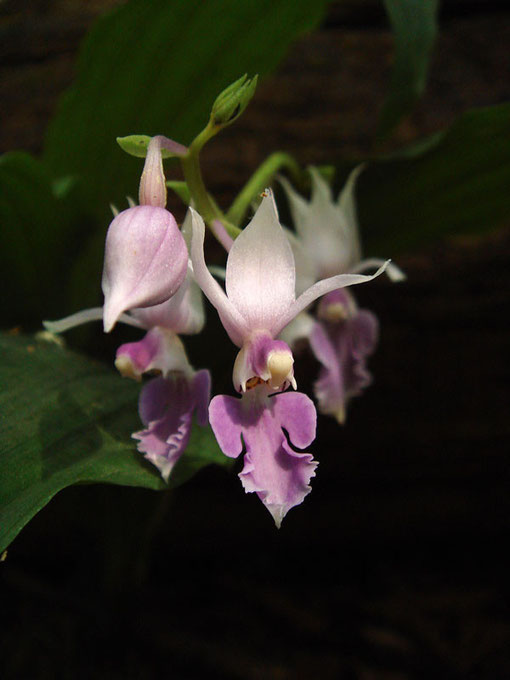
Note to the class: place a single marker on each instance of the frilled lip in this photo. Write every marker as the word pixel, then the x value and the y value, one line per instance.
pixel 279 475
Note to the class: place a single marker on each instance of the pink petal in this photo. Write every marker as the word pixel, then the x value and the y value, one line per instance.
pixel 166 408
pixel 160 350
pixel 279 475
pixel 145 261
pixel 183 313
pixel 343 349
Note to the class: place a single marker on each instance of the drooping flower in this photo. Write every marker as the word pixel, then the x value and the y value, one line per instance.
pixel 145 254
pixel 258 303
pixel 342 341
pixel 343 336
pixel 260 300
pixel 167 403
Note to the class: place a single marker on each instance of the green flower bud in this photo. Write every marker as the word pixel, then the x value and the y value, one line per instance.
pixel 230 103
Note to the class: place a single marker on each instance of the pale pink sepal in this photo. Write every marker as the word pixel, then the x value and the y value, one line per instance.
pixel 260 277
pixel 85 316
pixel 145 261
pixel 322 288
pixel 183 313
pixel 394 273
pixel 231 318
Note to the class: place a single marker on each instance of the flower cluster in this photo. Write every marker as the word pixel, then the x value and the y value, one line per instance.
pixel 154 278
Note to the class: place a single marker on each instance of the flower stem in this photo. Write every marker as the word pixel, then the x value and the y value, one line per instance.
pixel 204 204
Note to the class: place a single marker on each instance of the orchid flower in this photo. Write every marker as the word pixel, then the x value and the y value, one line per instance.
pixel 258 302
pixel 327 242
pixel 167 403
pixel 145 254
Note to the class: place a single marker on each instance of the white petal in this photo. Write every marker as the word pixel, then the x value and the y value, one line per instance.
pixel 321 191
pixel 305 266
pixel 393 272
pixel 325 286
pixel 233 322
pixel 347 205
pixel 298 205
pixel 86 315
pixel 183 313
pixel 260 279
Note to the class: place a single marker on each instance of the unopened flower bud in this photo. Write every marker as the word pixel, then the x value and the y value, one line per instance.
pixel 230 103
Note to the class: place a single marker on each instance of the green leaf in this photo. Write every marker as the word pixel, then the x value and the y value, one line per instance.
pixel 33 239
pixel 455 182
pixel 66 419
pixel 414 24
pixel 159 70
pixel 136 145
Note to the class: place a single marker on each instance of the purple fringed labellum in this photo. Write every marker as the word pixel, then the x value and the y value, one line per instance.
pixel 279 475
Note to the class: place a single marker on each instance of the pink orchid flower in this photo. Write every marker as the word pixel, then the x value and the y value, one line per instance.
pixel 258 302
pixel 343 336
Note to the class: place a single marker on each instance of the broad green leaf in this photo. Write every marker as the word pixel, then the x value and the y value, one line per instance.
pixel 455 182
pixel 66 419
pixel 33 239
pixel 158 70
pixel 414 24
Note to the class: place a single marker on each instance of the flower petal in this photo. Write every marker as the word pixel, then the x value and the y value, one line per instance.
pixel 226 417
pixel 393 272
pixel 343 349
pixel 160 350
pixel 266 359
pixel 86 315
pixel 145 261
pixel 321 288
pixel 279 475
pixel 232 321
pixel 260 278
pixel 183 313
pixel 347 205
pixel 166 408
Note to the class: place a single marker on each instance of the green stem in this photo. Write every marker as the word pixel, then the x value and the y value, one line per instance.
pixel 262 177
pixel 193 177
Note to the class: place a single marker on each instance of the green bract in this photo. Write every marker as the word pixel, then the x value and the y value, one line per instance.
pixel 136 145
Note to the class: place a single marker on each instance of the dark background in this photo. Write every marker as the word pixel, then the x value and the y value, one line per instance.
pixel 395 566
